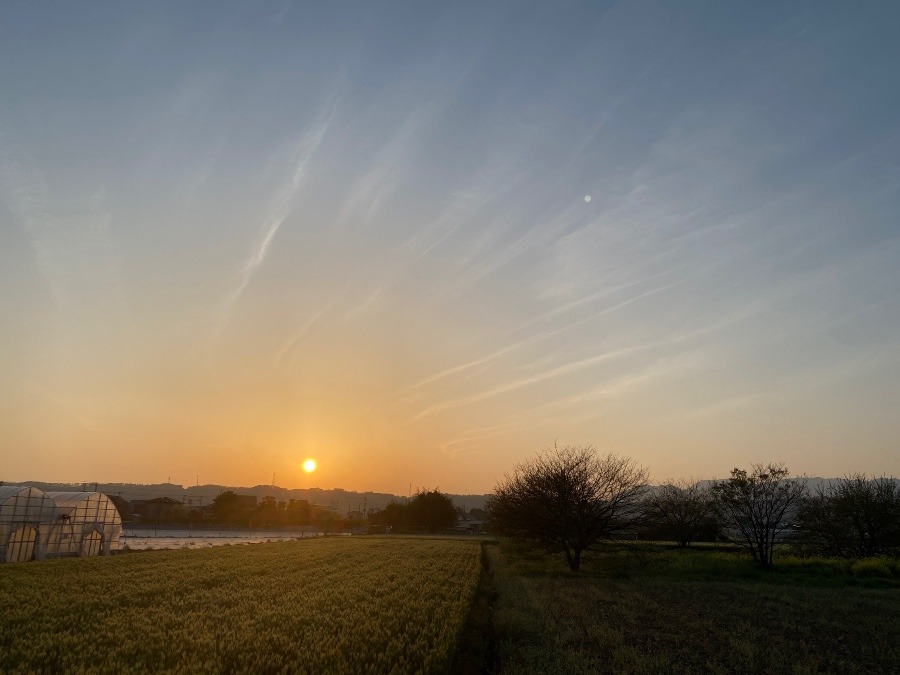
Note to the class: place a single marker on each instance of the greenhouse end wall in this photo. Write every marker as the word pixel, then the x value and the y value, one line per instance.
pixel 38 525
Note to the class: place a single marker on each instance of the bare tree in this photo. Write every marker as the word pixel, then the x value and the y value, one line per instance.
pixel 680 508
pixel 566 499
pixel 755 507
pixel 819 527
pixel 872 506
pixel 857 517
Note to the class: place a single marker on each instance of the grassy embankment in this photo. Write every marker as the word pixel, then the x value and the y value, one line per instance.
pixel 645 608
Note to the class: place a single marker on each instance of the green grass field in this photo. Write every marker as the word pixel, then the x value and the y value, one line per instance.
pixel 341 605
pixel 649 609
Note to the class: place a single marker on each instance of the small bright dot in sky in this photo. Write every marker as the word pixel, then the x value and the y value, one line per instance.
pixel 289 338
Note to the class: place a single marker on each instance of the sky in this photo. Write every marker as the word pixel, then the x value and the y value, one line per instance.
pixel 421 242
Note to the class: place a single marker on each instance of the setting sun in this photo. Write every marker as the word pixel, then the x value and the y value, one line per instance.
pixel 309 465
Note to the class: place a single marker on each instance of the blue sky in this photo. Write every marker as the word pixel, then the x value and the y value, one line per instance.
pixel 233 236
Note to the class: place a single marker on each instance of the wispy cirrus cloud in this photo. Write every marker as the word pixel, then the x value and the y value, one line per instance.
pixel 280 206
pixel 72 238
pixel 286 354
pixel 505 387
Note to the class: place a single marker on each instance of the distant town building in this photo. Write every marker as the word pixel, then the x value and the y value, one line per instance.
pixel 158 510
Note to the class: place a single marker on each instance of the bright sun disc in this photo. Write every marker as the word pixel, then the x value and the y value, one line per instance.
pixel 309 465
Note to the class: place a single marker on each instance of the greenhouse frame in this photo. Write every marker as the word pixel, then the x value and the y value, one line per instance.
pixel 35 525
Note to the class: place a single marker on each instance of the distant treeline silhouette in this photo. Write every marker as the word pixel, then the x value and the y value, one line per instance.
pixel 569 499
pixel 427 511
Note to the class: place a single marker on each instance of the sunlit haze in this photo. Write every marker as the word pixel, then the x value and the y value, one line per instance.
pixel 422 241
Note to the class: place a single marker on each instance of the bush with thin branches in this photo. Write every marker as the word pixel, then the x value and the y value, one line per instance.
pixel 566 499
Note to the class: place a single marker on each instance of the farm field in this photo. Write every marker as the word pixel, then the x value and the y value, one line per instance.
pixel 649 609
pixel 330 605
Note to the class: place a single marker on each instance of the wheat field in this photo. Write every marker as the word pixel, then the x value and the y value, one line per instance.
pixel 336 605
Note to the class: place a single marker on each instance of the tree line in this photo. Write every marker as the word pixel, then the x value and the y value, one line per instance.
pixel 229 508
pixel 569 499
pixel 427 511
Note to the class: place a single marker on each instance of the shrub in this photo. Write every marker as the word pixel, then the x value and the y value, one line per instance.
pixel 816 565
pixel 871 567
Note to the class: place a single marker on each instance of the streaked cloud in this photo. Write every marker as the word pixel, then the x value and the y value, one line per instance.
pixel 283 201
pixel 233 237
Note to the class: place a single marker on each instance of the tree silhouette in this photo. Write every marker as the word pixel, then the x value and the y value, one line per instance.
pixel 679 509
pixel 432 511
pixel 856 518
pixel 755 508
pixel 567 499
pixel 230 507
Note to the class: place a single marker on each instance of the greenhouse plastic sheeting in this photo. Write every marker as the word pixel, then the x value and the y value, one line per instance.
pixel 35 524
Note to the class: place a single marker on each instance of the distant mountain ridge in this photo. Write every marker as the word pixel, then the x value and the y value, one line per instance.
pixel 336 498
pixel 342 500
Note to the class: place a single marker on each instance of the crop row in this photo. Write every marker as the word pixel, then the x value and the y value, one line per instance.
pixel 328 605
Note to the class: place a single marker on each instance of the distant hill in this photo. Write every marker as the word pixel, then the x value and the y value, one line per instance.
pixel 813 483
pixel 343 500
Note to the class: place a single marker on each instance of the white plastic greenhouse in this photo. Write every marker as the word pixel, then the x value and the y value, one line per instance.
pixel 93 519
pixel 26 518
pixel 38 525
